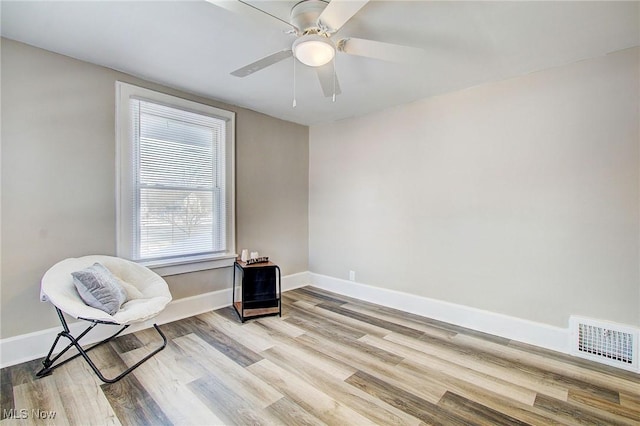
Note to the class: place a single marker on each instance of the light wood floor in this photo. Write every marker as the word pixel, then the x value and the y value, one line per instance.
pixel 329 360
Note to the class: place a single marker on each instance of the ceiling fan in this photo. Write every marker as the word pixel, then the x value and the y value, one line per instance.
pixel 314 23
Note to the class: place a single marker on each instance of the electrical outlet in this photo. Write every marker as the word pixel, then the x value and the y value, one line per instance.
pixel 352 275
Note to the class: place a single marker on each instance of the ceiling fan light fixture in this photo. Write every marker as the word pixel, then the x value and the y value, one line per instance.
pixel 314 50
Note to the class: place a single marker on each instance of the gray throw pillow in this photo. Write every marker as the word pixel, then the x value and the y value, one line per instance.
pixel 99 288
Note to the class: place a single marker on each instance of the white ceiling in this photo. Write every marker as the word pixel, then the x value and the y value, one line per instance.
pixel 194 45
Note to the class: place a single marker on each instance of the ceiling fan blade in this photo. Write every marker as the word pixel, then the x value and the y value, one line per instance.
pixel 379 50
pixel 253 13
pixel 338 12
pixel 262 63
pixel 327 79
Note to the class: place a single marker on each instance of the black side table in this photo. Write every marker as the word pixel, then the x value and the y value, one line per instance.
pixel 260 288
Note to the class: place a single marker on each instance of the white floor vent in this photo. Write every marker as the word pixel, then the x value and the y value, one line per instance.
pixel 605 342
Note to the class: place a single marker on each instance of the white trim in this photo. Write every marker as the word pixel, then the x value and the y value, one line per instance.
pixel 293 281
pixel 534 333
pixel 26 347
pixel 124 178
pixel 191 264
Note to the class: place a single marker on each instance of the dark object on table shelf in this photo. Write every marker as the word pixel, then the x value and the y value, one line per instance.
pixel 260 285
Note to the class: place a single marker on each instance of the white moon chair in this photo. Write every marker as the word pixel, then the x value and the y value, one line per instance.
pixel 151 296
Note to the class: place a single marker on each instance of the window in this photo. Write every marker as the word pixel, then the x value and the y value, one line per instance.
pixel 175 182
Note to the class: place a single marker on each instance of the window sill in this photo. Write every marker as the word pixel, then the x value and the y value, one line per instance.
pixel 190 264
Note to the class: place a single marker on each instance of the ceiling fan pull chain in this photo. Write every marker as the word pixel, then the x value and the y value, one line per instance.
pixel 294 83
pixel 334 79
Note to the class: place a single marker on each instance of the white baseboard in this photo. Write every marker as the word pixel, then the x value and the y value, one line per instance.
pixel 293 281
pixel 27 347
pixel 534 333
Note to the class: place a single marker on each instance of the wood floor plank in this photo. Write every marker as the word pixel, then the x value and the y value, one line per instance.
pixel 517 372
pixel 335 387
pixel 289 413
pixel 305 319
pixel 576 361
pixel 454 329
pixel 223 343
pixel 570 413
pixel 268 333
pixel 328 333
pixel 184 366
pixel 146 337
pixel 630 400
pixel 6 393
pixel 176 329
pixel 228 312
pixel 24 373
pixel 334 330
pixel 303 304
pixel 473 412
pixel 330 359
pixel 405 401
pixel 127 343
pixel 427 329
pixel 133 404
pixel 355 345
pixel 364 362
pixel 576 377
pixel 320 297
pixel 236 377
pixel 459 385
pixel 301 296
pixel 357 324
pixel 509 407
pixel 437 353
pixel 615 413
pixel 327 296
pixel 292 352
pixel 308 397
pixel 77 387
pixel 387 325
pixel 279 326
pixel 40 398
pixel 488 383
pixel 106 358
pixel 179 404
pixel 228 405
pixel 238 331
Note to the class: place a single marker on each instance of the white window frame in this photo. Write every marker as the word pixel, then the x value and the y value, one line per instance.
pixel 125 191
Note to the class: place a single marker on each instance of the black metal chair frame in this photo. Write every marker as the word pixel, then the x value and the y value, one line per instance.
pixel 48 361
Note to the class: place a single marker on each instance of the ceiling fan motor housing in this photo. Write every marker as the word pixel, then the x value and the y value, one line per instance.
pixel 304 15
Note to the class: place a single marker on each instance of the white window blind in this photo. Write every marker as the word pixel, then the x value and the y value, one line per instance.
pixel 179 181
pixel 175 170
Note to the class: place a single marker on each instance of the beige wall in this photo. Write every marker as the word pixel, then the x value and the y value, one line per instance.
pixel 520 197
pixel 58 180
